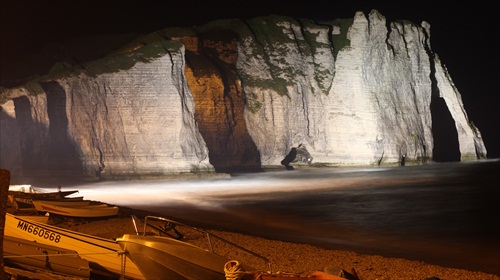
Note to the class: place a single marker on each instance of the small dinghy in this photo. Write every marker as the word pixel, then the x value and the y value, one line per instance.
pixel 71 210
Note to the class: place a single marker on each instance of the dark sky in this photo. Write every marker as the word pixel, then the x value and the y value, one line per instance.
pixel 463 33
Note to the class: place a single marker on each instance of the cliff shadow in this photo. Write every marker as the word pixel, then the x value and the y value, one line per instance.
pixel 62 154
pixel 30 138
pixel 10 157
pixel 219 102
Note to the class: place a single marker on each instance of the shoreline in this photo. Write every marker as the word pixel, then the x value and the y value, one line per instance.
pixel 285 257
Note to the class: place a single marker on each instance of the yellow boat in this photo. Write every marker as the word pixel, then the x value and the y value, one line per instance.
pixel 104 255
pixel 24 253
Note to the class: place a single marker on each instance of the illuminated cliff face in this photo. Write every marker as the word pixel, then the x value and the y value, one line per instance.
pixel 219 101
pixel 240 95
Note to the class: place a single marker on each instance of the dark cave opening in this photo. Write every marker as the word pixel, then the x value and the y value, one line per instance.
pixel 446 146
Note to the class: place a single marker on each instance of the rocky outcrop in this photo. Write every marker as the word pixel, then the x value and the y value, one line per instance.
pixel 239 95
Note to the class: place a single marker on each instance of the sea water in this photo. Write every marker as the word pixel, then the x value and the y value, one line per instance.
pixel 443 213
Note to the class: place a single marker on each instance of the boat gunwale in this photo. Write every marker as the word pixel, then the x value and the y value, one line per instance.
pixel 67 232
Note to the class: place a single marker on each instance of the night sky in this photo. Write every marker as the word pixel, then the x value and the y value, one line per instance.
pixel 463 33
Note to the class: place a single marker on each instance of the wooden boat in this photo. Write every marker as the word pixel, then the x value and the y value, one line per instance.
pixel 88 211
pixel 26 203
pixel 104 255
pixel 31 191
pixel 24 253
pixel 20 196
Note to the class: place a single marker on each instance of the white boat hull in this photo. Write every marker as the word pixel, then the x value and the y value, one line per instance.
pixel 89 211
pixel 166 258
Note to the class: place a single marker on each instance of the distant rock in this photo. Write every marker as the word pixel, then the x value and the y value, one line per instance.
pixel 297 155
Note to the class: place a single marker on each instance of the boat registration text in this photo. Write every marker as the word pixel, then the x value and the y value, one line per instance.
pixel 38 231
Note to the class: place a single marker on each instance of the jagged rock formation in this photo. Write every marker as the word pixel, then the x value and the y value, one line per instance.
pixel 238 95
pixel 298 155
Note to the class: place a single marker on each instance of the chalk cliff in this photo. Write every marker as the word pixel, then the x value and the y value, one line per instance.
pixel 239 95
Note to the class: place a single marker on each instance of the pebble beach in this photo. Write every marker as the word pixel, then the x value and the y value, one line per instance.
pixel 285 258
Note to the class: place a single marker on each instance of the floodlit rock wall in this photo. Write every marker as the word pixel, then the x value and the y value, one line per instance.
pixel 238 95
pixel 134 122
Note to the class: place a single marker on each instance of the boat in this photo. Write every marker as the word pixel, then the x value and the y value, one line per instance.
pixel 87 211
pixel 105 256
pixel 167 257
pixel 26 203
pixel 26 254
pixel 160 254
pixel 31 191
pixel 20 196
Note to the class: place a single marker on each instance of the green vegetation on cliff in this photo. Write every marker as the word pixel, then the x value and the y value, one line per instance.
pixel 144 51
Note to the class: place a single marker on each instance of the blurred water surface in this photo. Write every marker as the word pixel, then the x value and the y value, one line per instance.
pixel 445 213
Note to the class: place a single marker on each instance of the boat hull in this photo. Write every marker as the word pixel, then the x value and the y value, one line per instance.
pixel 88 211
pixel 166 258
pixel 72 202
pixel 26 203
pixel 103 254
pixel 38 195
pixel 21 252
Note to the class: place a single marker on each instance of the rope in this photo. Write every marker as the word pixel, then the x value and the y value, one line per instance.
pixel 55 255
pixel 123 264
pixel 233 270
pixel 44 255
